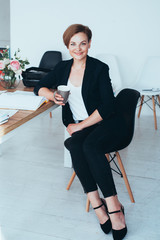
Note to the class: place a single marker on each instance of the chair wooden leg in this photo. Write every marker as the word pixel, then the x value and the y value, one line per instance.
pixel 140 108
pixel 154 111
pixel 107 156
pixel 125 177
pixel 158 98
pixel 50 114
pixel 71 180
pixel 87 205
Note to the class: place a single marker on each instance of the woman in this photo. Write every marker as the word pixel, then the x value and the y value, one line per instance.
pixel 92 122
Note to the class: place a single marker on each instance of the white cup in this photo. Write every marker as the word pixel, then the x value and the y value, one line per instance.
pixel 64 91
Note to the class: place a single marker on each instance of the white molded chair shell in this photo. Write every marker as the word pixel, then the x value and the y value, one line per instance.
pixel 149 76
pixel 114 73
pixel 67 157
pixel 148 84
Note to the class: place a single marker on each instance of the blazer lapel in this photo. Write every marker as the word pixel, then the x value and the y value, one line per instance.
pixel 86 80
pixel 67 71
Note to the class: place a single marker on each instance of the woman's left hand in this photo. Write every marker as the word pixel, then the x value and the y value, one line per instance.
pixel 73 128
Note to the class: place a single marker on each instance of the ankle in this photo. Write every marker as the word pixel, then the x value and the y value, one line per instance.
pixel 113 204
pixel 101 214
pixel 96 204
pixel 94 198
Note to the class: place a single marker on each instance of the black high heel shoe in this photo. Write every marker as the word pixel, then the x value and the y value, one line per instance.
pixel 107 226
pixel 119 234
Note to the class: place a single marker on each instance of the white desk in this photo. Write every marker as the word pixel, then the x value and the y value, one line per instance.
pixel 67 156
pixel 151 95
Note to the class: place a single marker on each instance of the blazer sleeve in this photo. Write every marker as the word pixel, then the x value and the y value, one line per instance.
pixel 106 108
pixel 49 81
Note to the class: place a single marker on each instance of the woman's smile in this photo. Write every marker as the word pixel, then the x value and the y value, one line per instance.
pixel 78 53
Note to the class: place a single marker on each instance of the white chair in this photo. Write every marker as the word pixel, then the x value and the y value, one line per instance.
pixel 114 73
pixel 148 84
pixel 67 157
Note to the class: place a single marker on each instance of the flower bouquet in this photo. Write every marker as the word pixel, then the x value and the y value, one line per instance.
pixel 11 69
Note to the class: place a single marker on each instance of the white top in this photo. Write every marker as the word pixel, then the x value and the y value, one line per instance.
pixel 76 102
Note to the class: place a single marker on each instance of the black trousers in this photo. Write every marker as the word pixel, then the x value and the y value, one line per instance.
pixel 88 147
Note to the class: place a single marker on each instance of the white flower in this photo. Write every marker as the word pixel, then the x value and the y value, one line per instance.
pixel 14 66
pixel 2 65
pixel 18 72
pixel 6 61
pixel 24 68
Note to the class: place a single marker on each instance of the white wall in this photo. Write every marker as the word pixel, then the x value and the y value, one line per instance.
pixel 127 28
pixel 4 23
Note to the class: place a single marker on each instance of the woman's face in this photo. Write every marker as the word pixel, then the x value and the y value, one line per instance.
pixel 79 45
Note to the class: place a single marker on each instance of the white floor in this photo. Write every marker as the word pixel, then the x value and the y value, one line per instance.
pixel 34 202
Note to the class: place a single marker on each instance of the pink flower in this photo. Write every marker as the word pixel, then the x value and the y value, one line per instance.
pixel 6 61
pixel 2 65
pixel 14 65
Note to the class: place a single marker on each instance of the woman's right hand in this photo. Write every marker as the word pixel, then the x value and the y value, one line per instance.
pixel 58 99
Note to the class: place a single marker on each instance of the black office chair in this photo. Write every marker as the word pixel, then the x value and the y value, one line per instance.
pixel 32 75
pixel 126 102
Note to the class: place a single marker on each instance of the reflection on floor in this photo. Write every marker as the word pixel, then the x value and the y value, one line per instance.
pixel 34 203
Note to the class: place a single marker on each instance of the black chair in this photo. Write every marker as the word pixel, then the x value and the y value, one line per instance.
pixel 49 60
pixel 126 102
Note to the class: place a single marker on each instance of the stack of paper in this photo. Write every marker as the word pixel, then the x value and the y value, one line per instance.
pixel 5 114
pixel 21 100
pixel 3 118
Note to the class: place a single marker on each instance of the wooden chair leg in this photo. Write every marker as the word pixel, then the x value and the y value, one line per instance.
pixel 87 205
pixel 140 108
pixel 158 98
pixel 71 180
pixel 125 177
pixel 50 114
pixel 107 156
pixel 154 111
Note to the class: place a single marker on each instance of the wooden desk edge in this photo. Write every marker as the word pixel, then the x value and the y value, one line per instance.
pixel 12 123
pixel 17 120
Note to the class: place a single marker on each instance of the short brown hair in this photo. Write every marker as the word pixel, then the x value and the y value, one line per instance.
pixel 73 29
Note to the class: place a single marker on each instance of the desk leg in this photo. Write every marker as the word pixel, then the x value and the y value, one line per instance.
pixel 50 114
pixel 154 111
pixel 142 98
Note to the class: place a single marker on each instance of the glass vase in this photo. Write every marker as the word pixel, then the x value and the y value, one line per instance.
pixel 9 81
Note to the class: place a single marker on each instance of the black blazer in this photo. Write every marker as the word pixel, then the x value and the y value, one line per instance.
pixel 97 91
